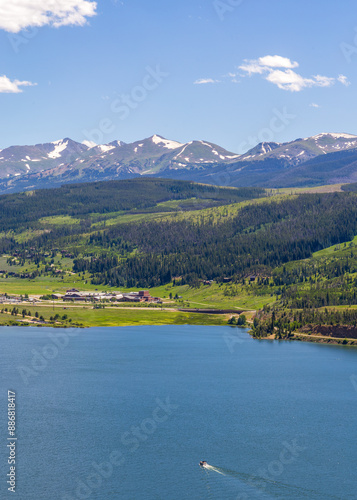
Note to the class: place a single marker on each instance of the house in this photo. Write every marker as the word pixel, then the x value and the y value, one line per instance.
pixel 57 296
pixel 145 296
pixel 130 298
pixel 142 296
pixel 116 297
pixel 75 297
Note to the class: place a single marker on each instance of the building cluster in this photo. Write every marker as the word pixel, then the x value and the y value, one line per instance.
pixel 9 299
pixel 74 295
pixel 4 299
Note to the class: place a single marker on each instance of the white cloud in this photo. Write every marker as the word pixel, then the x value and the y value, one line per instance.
pixel 16 15
pixel 202 81
pixel 264 64
pixel 252 67
pixel 12 87
pixel 279 71
pixel 323 81
pixel 289 80
pixel 277 62
pixel 344 80
pixel 314 105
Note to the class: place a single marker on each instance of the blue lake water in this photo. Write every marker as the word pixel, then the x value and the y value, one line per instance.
pixel 127 413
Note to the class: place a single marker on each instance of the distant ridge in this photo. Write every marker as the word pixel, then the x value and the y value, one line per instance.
pixel 325 158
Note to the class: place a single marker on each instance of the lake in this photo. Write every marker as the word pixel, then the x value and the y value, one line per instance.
pixel 128 413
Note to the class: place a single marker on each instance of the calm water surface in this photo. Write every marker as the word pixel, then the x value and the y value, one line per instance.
pixel 127 413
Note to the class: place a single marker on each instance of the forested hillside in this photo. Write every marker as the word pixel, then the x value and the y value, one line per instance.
pixel 260 238
pixel 144 232
pixel 19 210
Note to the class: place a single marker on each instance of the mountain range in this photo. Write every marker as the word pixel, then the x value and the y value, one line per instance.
pixel 327 158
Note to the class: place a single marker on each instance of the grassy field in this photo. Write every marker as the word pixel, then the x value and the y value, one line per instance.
pixel 205 297
pixel 212 297
pixel 215 296
pixel 225 212
pixel 59 220
pixel 330 188
pixel 331 250
pixel 123 218
pixel 86 316
pixel 44 285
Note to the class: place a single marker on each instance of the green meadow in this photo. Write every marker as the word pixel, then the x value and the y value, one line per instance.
pixel 86 316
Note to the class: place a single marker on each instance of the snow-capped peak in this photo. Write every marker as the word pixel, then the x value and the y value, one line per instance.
pixel 334 135
pixel 156 139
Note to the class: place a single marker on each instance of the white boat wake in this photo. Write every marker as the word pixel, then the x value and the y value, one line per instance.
pixel 263 485
pixel 215 469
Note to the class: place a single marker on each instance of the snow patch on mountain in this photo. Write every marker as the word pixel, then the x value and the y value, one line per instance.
pixel 331 134
pixel 105 147
pixel 156 139
pixel 206 144
pixel 59 147
pixel 338 136
pixel 182 150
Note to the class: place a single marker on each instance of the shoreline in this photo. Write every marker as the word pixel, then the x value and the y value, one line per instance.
pixel 114 315
pixel 317 339
pixel 313 339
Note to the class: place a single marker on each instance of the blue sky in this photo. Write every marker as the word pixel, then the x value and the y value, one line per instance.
pixel 194 69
